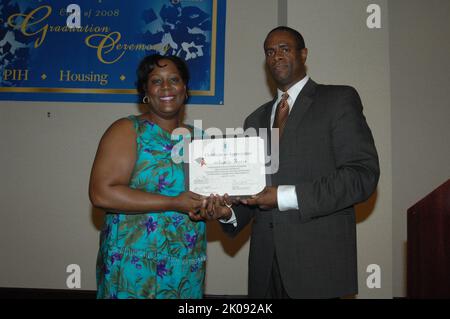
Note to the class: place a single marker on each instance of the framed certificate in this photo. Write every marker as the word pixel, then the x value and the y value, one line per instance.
pixel 231 165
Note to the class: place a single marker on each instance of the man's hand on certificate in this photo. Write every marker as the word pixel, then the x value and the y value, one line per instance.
pixel 267 199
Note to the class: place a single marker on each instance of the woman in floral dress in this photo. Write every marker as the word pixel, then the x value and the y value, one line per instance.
pixel 152 244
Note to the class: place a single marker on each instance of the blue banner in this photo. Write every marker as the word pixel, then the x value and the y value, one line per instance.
pixel 50 53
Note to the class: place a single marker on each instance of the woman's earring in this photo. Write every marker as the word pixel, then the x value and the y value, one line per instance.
pixel 146 99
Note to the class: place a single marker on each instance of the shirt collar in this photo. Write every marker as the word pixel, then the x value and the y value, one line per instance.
pixel 293 91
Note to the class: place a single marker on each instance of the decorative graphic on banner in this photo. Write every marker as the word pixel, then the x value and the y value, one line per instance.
pixel 51 52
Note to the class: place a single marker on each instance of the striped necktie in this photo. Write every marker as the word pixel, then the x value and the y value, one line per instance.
pixel 281 114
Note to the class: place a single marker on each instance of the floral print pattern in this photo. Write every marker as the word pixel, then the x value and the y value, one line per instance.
pixel 154 254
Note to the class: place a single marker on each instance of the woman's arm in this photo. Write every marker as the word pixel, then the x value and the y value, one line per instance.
pixel 111 173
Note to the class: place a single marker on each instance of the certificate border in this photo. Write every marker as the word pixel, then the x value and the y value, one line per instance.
pixel 186 165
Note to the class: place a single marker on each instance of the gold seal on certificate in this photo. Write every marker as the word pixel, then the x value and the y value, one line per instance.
pixel 231 165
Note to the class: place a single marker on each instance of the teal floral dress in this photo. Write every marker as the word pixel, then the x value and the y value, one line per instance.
pixel 154 254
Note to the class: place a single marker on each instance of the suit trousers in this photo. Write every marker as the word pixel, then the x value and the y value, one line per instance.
pixel 276 288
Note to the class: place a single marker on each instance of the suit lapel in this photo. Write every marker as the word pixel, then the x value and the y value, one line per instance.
pixel 264 121
pixel 301 106
pixel 265 116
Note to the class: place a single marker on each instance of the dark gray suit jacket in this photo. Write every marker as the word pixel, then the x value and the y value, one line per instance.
pixel 327 151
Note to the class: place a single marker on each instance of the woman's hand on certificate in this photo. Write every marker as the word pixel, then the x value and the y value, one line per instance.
pixel 217 207
pixel 190 203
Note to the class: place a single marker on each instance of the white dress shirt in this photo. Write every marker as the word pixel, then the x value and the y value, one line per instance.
pixel 286 194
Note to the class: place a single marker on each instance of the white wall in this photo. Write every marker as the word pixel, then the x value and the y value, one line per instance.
pixel 420 81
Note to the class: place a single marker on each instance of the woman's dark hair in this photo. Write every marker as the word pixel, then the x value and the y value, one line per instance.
pixel 148 64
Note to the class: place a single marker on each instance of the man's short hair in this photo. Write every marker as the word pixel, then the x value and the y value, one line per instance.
pixel 298 37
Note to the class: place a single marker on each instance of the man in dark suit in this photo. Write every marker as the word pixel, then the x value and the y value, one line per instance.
pixel 303 240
